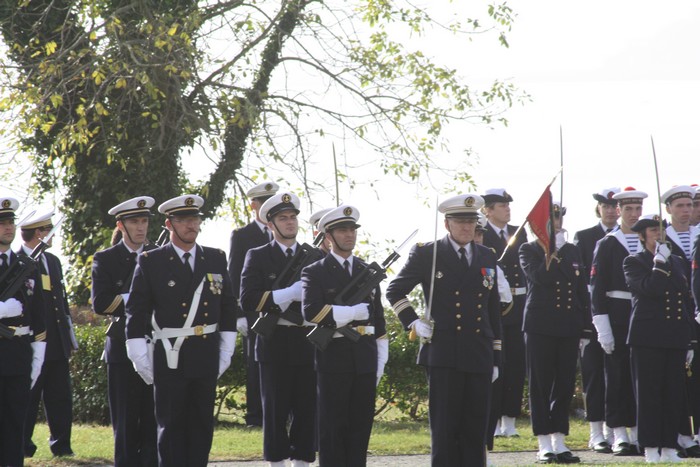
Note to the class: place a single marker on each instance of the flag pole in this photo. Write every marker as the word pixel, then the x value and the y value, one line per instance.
pixel 513 238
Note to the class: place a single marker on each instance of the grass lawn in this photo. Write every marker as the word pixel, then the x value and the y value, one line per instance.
pixel 93 444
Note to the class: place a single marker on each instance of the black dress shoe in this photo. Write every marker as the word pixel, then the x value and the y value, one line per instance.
pixel 623 449
pixel 636 450
pixel 603 448
pixel 546 458
pixel 567 458
pixel 693 451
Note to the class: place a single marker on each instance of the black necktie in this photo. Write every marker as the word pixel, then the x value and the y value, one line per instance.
pixel 608 230
pixel 463 257
pixel 290 253
pixel 188 267
pixel 3 264
pixel 346 265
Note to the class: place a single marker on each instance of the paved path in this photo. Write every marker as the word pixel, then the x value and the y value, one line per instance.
pixel 498 459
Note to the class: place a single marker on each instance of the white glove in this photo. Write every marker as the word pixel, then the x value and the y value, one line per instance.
pixel 10 308
pixel 125 298
pixel 605 335
pixel 38 352
pixel 423 329
pixel 689 357
pixel 697 317
pixel 227 345
pixel 242 326
pixel 495 374
pixel 582 343
pixel 288 294
pixel 382 357
pixel 663 252
pixel 137 351
pixel 343 314
pixel 504 291
pixel 560 238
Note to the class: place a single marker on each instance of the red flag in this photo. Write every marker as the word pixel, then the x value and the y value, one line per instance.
pixel 540 220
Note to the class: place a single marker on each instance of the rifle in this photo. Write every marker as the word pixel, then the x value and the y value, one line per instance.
pixel 357 290
pixel 117 326
pixel 265 325
pixel 18 272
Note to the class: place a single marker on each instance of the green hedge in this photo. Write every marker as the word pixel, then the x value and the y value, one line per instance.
pixel 403 390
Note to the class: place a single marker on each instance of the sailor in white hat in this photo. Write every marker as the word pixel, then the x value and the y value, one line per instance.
pixel 679 204
pixel 508 389
pixel 285 354
pixel 592 360
pixel 611 307
pixel 252 235
pixel 319 237
pixel 24 333
pixel 130 398
pixel 347 371
pixel 54 383
pixel 680 236
pixel 193 346
pixel 695 219
pixel 462 339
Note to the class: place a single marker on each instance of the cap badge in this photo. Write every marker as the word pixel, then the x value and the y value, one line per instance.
pixel 6 203
pixel 347 211
pixel 189 202
pixel 656 217
pixel 286 198
pixel 469 201
pixel 141 203
pixel 268 187
pixel 505 195
pixel 610 194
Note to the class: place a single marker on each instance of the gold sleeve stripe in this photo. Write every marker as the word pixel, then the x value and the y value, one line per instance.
pixel 114 305
pixel 400 306
pixel 265 295
pixel 497 345
pixel 322 314
pixel 40 337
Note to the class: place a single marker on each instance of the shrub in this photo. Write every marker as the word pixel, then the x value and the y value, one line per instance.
pixel 89 376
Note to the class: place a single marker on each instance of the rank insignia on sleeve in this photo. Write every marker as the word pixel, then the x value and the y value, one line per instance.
pixel 216 283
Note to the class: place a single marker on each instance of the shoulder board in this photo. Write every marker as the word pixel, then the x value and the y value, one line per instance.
pixel 493 249
pixel 420 244
pixel 145 253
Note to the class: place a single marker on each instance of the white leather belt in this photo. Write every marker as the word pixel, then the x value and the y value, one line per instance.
pixel 284 322
pixel 21 330
pixel 621 294
pixel 518 290
pixel 363 330
pixel 169 333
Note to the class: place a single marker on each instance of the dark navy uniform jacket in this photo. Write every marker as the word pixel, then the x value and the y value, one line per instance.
pixel 262 266
pixel 586 240
pixel 58 322
pixel 510 264
pixel 242 240
pixel 696 270
pixel 558 302
pixel 161 288
pixel 466 308
pixel 607 275
pixel 16 353
pixel 322 282
pixel 661 302
pixel 112 270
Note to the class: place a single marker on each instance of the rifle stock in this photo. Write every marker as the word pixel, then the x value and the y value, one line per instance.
pixel 266 324
pixel 14 277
